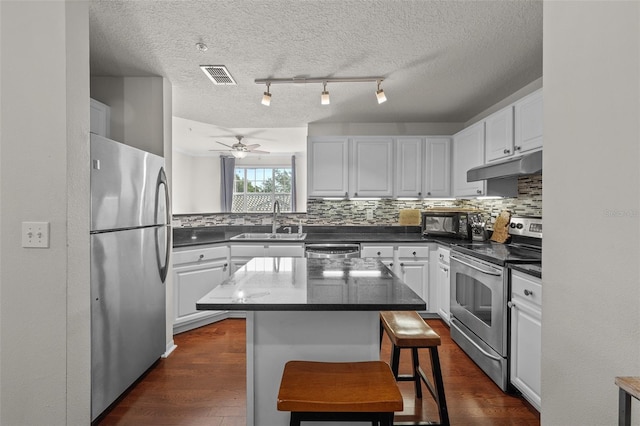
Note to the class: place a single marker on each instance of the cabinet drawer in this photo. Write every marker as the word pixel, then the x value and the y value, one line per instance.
pixel 281 250
pixel 377 251
pixel 413 252
pixel 200 255
pixel 526 287
pixel 443 255
pixel 248 250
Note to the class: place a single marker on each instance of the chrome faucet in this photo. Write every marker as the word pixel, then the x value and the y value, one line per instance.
pixel 276 212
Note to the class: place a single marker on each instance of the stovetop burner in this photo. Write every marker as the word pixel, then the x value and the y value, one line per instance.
pixel 525 244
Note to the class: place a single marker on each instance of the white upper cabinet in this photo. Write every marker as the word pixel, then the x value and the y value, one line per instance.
pixel 499 134
pixel 409 167
pixel 100 118
pixel 371 167
pixel 328 169
pixel 468 152
pixel 437 167
pixel 529 122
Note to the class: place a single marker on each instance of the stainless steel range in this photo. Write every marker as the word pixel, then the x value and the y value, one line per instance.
pixel 480 293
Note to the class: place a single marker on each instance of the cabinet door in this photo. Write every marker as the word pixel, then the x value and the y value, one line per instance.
pixel 437 169
pixel 285 250
pixel 444 295
pixel 408 182
pixel 416 275
pixel 371 167
pixel 499 135
pixel 100 118
pixel 526 328
pixel 193 282
pixel 328 167
pixel 468 152
pixel 529 122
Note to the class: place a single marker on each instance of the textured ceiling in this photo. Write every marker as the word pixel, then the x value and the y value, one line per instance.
pixel 443 61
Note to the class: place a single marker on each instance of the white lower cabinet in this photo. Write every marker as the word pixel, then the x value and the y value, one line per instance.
pixel 195 273
pixel 443 286
pixel 383 253
pixel 413 269
pixel 242 253
pixel 526 327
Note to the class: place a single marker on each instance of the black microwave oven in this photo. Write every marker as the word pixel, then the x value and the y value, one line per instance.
pixel 452 224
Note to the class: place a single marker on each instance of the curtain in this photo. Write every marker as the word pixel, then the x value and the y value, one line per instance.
pixel 293 184
pixel 227 167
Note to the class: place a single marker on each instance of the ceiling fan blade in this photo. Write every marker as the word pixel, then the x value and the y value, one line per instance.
pixel 257 151
pixel 222 150
pixel 253 146
pixel 228 146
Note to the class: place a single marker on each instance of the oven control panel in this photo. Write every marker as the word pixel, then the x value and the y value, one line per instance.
pixel 527 226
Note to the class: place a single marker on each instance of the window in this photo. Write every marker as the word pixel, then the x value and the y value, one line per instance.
pixel 255 189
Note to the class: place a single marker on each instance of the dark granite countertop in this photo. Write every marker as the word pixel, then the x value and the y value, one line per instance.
pixel 300 284
pixel 531 269
pixel 185 237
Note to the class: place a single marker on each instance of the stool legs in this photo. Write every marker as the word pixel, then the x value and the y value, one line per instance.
pixel 624 408
pixel 376 419
pixel 436 388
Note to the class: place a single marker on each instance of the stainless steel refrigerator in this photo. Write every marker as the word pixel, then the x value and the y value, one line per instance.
pixel 130 243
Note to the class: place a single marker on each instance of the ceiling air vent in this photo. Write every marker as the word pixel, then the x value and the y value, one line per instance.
pixel 218 74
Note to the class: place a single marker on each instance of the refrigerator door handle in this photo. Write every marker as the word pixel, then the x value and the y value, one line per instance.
pixel 162 180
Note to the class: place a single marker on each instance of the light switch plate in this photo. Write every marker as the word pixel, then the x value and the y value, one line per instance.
pixel 35 234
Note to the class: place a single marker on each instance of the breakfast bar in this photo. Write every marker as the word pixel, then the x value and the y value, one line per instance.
pixel 306 309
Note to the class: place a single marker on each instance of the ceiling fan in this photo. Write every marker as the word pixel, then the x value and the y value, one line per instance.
pixel 240 150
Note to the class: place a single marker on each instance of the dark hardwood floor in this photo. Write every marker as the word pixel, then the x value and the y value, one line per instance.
pixel 203 383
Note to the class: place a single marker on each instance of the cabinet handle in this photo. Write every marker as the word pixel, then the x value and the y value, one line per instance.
pixel 379 253
pixel 479 191
pixel 446 269
pixel 419 194
pixel 428 193
pixel 346 194
pixel 414 253
pixel 391 265
pixel 506 151
pixel 517 148
pixel 355 194
pixel 528 292
pixel 201 256
pixel 402 265
pixel 511 304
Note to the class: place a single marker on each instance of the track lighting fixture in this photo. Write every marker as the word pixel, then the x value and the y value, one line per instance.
pixel 266 97
pixel 324 97
pixel 380 94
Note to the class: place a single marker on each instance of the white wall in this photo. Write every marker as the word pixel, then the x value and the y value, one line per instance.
pixel 591 289
pixel 44 176
pixel 197 190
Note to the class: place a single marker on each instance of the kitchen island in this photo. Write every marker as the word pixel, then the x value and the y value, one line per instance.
pixel 306 309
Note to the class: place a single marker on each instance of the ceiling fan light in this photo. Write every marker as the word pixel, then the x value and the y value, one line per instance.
pixel 239 154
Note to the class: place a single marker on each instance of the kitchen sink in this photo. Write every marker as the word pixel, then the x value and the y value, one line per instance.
pixel 269 236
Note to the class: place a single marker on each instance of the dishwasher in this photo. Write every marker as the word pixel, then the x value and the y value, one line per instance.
pixel 332 251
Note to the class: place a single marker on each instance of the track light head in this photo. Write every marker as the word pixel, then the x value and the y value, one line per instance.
pixel 380 94
pixel 324 97
pixel 266 97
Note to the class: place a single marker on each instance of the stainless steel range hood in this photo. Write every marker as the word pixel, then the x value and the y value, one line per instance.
pixel 527 164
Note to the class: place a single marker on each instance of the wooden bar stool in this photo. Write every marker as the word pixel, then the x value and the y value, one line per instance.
pixel 407 330
pixel 629 387
pixel 339 391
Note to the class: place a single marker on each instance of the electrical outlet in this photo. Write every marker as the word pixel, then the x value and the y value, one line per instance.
pixel 369 214
pixel 35 234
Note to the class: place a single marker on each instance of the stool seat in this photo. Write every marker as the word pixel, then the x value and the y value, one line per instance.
pixel 367 386
pixel 407 329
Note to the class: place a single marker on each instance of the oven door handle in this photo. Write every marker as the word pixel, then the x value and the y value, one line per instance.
pixel 484 271
pixel 485 353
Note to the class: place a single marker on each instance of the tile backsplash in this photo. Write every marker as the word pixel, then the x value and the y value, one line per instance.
pixel 379 212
